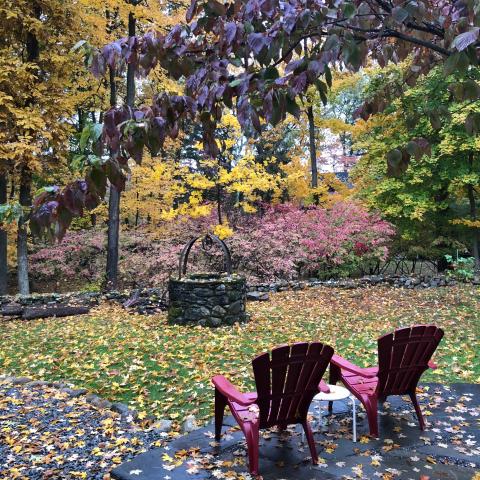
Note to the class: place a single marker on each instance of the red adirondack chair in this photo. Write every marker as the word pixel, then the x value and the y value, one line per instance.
pixel 286 384
pixel 403 356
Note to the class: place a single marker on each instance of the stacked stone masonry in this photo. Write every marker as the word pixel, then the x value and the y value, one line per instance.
pixel 207 300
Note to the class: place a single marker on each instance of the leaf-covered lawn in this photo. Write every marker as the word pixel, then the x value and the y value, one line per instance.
pixel 166 370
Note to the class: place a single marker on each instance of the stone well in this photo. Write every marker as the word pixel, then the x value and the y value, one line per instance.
pixel 207 299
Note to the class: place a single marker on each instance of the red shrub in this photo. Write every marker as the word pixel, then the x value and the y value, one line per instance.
pixel 284 242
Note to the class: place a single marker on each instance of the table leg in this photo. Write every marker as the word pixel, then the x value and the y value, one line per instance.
pixel 354 413
pixel 319 414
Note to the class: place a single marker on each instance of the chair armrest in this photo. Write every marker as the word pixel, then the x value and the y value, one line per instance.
pixel 432 365
pixel 344 364
pixel 323 387
pixel 229 391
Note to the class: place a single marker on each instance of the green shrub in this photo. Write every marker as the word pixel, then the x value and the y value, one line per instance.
pixel 463 267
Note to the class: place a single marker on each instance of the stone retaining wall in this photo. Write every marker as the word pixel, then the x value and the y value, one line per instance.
pixel 152 300
pixel 397 281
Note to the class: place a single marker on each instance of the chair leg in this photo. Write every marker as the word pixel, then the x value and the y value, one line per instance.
pixel 311 442
pixel 334 376
pixel 418 410
pixel 252 437
pixel 220 404
pixel 371 407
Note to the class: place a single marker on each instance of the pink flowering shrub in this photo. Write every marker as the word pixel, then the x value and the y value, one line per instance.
pixel 146 258
pixel 284 242
pixel 290 242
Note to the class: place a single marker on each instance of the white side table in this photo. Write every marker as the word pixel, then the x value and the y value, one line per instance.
pixel 338 393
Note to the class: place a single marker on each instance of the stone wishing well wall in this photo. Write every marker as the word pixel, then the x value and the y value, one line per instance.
pixel 207 299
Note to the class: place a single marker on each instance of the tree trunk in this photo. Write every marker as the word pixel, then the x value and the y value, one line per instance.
pixel 3 240
pixel 475 235
pixel 31 313
pixel 137 211
pixel 313 149
pixel 113 236
pixel 113 212
pixel 22 234
pixel 114 197
pixel 33 47
pixel 131 67
pixel 473 217
pixel 219 205
pixel 12 189
pixel 24 194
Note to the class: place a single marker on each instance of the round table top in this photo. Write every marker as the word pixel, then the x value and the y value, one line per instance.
pixel 336 393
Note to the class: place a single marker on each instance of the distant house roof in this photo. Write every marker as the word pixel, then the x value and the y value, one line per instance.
pixel 344 177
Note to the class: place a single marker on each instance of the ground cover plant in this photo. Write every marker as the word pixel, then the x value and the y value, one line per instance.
pixel 165 370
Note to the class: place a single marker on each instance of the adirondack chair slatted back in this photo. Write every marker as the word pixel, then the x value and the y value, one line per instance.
pixel 403 356
pixel 288 381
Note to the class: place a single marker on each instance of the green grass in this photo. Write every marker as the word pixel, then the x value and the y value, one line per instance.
pixel 166 370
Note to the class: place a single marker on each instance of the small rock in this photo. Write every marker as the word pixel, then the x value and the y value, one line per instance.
pixel 213 322
pixel 74 393
pixel 218 310
pixel 59 385
pixel 123 410
pixel 114 294
pixel 258 296
pixel 236 307
pixel 190 424
pixel 20 380
pixel 162 426
pixel 103 403
pixel 39 383
pixel 203 292
pixel 98 402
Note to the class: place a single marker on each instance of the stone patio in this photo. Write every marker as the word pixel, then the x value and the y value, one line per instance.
pixel 449 449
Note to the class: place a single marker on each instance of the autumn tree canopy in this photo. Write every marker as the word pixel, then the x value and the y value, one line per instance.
pixel 259 57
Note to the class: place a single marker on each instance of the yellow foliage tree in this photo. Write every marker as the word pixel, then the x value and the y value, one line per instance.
pixel 38 87
pixel 56 95
pixel 297 185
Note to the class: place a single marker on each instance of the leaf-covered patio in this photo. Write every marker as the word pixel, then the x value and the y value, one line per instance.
pixel 448 449
pixel 47 434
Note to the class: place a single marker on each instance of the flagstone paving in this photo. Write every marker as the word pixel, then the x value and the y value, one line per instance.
pixel 449 449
